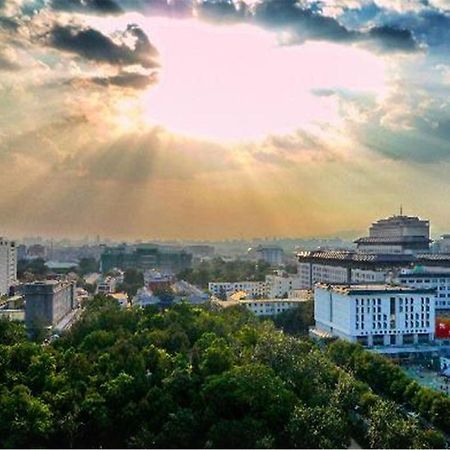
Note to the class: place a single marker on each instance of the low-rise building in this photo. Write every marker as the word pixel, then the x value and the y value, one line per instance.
pixel 271 306
pixel 107 285
pixel 280 284
pixel 47 302
pixel 375 314
pixel 223 290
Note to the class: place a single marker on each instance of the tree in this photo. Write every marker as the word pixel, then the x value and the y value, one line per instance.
pixel 87 265
pixel 11 332
pixel 297 320
pixel 25 421
pixel 318 427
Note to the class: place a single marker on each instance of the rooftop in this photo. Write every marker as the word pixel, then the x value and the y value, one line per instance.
pixel 367 289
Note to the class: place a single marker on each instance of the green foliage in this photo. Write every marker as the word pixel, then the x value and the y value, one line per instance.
pixel 188 377
pixel 318 427
pixel 87 265
pixel 297 320
pixel 11 332
pixel 388 379
pixel 28 270
pixel 133 280
pixel 220 270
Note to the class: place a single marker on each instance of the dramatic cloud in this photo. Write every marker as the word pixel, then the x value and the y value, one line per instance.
pixel 95 6
pixel 93 45
pixel 220 118
pixel 126 80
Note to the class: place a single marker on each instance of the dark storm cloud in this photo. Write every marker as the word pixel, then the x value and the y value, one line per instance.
pixel 126 80
pixel 95 6
pixel 305 21
pixel 390 38
pixel 93 45
pixel 114 7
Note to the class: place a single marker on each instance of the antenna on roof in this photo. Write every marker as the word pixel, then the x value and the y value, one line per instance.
pixel 401 209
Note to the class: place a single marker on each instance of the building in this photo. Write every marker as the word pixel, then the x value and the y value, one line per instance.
pixel 397 234
pixel 280 284
pixel 272 255
pixel 201 250
pixel 438 281
pixel 262 307
pixel 347 266
pixel 47 302
pixel 352 267
pixel 254 289
pixel 145 256
pixel 442 245
pixel 107 285
pixel 154 280
pixel 8 265
pixel 377 314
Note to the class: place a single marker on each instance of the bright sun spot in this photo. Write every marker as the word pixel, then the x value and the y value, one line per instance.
pixel 237 82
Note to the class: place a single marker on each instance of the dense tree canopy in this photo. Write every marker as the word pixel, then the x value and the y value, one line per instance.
pixel 220 270
pixel 188 377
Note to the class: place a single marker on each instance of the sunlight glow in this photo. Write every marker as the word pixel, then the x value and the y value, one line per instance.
pixel 237 82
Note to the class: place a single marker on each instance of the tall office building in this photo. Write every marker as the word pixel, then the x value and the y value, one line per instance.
pixel 8 265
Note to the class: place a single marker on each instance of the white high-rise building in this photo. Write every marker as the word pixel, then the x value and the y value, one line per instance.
pixel 375 314
pixel 8 265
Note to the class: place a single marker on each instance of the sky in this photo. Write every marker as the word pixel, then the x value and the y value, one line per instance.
pixel 214 119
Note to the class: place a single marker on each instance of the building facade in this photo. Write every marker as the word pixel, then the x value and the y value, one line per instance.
pixel 270 307
pixel 397 234
pixel 438 281
pixel 281 284
pixel 347 266
pixel 273 255
pixel 145 257
pixel 375 314
pixel 254 289
pixel 8 265
pixel 47 302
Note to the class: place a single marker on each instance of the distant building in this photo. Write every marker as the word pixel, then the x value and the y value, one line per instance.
pixel 253 289
pixel 200 250
pixel 37 251
pixel 375 314
pixel 21 252
pixel 107 285
pixel 8 265
pixel 397 234
pixel 442 245
pixel 280 284
pixel 154 280
pixel 263 307
pixel 144 257
pixel 273 255
pixel 47 302
pixel 277 285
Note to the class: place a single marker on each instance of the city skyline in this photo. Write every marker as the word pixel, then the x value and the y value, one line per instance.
pixel 215 120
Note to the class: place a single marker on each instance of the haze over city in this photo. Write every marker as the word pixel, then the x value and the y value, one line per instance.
pixel 211 120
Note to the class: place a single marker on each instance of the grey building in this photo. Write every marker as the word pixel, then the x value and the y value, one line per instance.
pixel 47 302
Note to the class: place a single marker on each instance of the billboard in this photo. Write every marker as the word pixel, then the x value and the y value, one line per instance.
pixel 442 327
